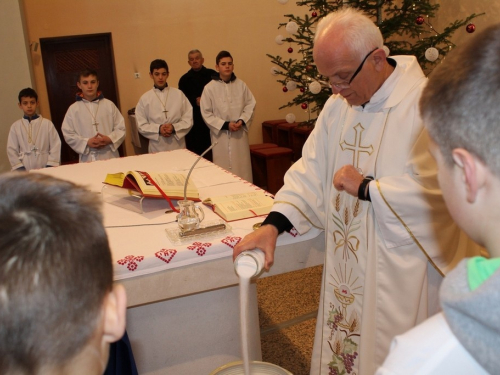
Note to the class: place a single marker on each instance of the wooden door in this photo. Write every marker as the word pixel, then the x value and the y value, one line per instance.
pixel 63 58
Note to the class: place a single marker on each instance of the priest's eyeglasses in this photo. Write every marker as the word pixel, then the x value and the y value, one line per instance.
pixel 346 85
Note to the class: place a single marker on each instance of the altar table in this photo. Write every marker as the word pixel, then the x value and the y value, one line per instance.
pixel 183 307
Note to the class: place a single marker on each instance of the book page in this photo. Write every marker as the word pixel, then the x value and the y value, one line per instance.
pixel 240 206
pixel 173 184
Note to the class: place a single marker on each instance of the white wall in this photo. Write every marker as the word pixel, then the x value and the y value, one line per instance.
pixel 14 70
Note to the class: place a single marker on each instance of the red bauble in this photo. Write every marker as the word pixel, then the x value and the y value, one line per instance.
pixel 302 89
pixel 290 49
pixel 309 68
pixel 284 89
pixel 304 105
pixel 470 28
pixel 420 20
pixel 314 14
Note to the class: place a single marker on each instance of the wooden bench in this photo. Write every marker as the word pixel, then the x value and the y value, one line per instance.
pixel 269 166
pixel 270 131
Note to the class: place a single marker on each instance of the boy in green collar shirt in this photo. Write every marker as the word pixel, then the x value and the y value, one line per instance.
pixel 460 109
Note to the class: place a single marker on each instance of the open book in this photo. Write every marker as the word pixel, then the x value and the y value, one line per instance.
pixel 149 184
pixel 241 206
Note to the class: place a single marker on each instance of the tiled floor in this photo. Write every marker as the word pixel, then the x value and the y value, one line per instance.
pixel 288 306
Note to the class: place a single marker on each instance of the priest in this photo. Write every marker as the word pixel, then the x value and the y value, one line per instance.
pixel 192 84
pixel 368 180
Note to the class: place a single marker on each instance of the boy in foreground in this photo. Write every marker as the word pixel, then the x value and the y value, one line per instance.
pixel 59 309
pixel 460 108
pixel 93 127
pixel 164 114
pixel 33 140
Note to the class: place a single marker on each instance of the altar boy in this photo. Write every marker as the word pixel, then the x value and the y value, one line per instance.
pixel 93 127
pixel 33 141
pixel 164 114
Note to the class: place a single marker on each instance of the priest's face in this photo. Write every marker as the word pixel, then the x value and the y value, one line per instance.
pixel 89 86
pixel 159 77
pixel 195 61
pixel 350 75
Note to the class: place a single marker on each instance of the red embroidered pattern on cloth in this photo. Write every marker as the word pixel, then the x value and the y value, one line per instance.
pixel 201 248
pixel 231 241
pixel 166 254
pixel 294 232
pixel 131 261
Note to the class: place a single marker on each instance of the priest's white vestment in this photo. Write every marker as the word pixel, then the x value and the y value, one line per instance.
pixel 34 144
pixel 167 106
pixel 384 259
pixel 85 119
pixel 232 101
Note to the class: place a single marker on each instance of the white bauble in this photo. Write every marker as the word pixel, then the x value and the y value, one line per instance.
pixel 290 118
pixel 386 50
pixel 282 1
pixel 291 85
pixel 292 27
pixel 315 87
pixel 279 39
pixel 431 54
pixel 274 71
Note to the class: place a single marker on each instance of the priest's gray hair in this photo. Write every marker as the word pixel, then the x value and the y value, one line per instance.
pixel 356 30
pixel 55 271
pixel 193 51
pixel 461 102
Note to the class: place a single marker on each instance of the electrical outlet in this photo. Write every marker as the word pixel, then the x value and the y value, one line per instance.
pixel 137 75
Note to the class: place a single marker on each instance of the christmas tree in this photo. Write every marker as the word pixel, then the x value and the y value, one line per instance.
pixel 405 26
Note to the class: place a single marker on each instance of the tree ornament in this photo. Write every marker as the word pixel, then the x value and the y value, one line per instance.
pixel 386 50
pixel 284 89
pixel 431 54
pixel 290 49
pixel 309 68
pixel 303 105
pixel 470 28
pixel 420 20
pixel 302 89
pixel 315 87
pixel 314 14
pixel 279 40
pixel 290 118
pixel 291 85
pixel 282 1
pixel 275 71
pixel 292 27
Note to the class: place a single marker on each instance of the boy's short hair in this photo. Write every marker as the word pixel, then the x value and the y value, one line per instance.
pixel 221 55
pixel 460 104
pixel 55 270
pixel 158 64
pixel 28 92
pixel 87 72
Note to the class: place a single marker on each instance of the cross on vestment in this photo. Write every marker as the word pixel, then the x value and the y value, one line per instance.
pixel 165 112
pixel 356 147
pixel 96 124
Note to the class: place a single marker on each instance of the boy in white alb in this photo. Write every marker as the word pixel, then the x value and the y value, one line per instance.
pixel 93 127
pixel 227 106
pixel 164 114
pixel 33 141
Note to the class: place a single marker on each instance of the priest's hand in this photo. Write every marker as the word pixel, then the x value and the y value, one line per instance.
pixel 264 239
pixel 348 179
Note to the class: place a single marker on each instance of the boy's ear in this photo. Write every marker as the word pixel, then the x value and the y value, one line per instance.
pixel 472 172
pixel 115 307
